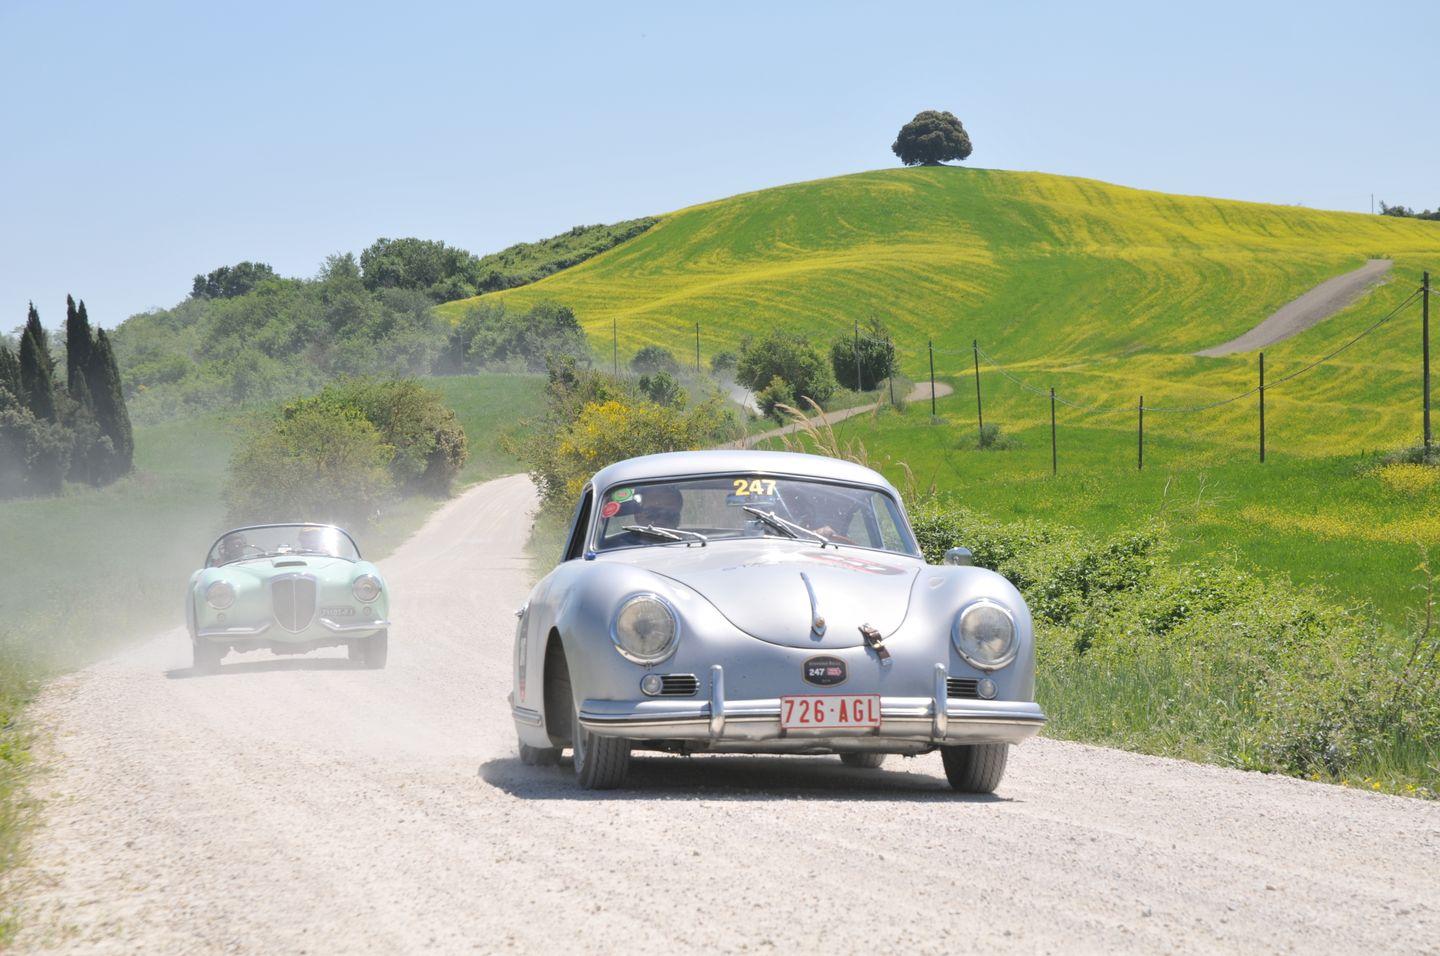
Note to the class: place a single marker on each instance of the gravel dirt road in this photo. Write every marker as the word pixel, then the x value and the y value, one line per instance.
pixel 298 805
pixel 1308 310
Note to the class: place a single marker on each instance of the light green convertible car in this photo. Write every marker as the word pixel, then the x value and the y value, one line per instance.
pixel 287 588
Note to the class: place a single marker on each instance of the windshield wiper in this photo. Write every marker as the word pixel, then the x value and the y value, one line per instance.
pixel 788 528
pixel 669 534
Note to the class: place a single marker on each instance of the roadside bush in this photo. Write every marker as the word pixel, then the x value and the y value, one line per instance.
pixel 662 388
pixel 654 358
pixel 722 364
pixel 876 360
pixel 992 438
pixel 429 446
pixel 317 460
pixel 774 398
pixel 1207 661
pixel 592 420
pixel 489 337
pixel 790 357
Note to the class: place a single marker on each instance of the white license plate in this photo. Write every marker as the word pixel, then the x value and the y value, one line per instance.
pixel 830 711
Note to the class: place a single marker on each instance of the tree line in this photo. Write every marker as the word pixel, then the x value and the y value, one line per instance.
pixel 53 428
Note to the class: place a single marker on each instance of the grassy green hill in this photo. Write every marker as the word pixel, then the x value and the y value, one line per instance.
pixel 1103 292
pixel 1099 289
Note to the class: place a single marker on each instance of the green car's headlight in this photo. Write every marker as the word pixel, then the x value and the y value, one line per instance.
pixel 984 634
pixel 220 595
pixel 366 588
pixel 645 629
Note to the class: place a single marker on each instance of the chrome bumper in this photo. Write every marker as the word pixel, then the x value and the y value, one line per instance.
pixel 339 628
pixel 243 633
pixel 904 721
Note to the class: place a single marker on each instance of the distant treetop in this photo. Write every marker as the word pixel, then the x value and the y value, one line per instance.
pixel 931 138
pixel 227 282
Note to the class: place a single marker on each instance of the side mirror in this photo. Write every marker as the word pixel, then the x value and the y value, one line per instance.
pixel 960 556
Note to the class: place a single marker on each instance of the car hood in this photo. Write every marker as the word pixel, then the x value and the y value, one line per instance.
pixel 766 589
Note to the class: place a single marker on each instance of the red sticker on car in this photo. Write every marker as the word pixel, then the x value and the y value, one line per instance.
pixel 611 509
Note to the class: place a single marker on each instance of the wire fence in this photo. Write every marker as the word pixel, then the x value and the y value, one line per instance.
pixel 1017 405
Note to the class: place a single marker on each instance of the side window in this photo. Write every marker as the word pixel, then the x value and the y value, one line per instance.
pixel 579 523
pixel 890 536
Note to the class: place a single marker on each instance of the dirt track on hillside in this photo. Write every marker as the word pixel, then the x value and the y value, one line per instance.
pixel 919 393
pixel 301 805
pixel 1307 311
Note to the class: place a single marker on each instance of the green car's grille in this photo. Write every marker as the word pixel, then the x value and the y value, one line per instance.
pixel 294 602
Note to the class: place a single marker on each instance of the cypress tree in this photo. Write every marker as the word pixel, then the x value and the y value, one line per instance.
pixel 109 403
pixel 78 343
pixel 35 370
pixel 33 326
pixel 10 373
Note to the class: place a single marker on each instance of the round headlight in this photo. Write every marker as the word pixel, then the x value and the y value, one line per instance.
pixel 366 588
pixel 984 635
pixel 220 595
pixel 645 629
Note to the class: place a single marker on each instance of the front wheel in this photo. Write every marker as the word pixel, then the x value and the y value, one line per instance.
pixel 372 651
pixel 207 656
pixel 976 768
pixel 862 761
pixel 600 762
pixel 539 756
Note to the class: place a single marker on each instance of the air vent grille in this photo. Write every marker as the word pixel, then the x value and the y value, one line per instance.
pixel 679 685
pixel 962 687
pixel 294 602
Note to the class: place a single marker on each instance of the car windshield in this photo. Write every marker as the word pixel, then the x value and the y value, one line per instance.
pixel 277 540
pixel 751 506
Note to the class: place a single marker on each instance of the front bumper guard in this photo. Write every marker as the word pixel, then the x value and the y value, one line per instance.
pixel 241 633
pixel 936 720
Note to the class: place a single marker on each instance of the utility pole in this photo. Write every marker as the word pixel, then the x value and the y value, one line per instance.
pixel 697 348
pixel 1425 352
pixel 1054 447
pixel 1140 460
pixel 859 382
pixel 979 409
pixel 930 344
pixel 1262 408
pixel 890 350
pixel 615 346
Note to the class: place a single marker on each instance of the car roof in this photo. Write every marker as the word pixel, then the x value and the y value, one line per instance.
pixel 678 464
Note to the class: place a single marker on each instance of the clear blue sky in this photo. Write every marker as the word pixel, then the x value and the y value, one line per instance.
pixel 141 143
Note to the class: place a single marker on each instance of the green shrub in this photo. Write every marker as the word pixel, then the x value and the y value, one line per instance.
pixel 790 357
pixel 654 358
pixel 489 337
pixel 1207 661
pixel 592 420
pixel 876 358
pixel 662 388
pixel 317 460
pixel 429 446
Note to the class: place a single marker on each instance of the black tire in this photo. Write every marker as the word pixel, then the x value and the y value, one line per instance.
pixel 207 656
pixel 862 761
pixel 601 763
pixel 976 768
pixel 539 756
pixel 377 649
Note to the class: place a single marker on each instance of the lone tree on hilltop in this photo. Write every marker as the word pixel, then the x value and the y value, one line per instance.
pixel 931 138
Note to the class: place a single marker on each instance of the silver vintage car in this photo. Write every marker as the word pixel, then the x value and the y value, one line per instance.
pixel 766 603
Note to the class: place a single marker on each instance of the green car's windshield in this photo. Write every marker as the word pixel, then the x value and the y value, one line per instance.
pixel 751 506
pixel 279 540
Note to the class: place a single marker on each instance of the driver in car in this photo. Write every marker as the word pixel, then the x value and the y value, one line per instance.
pixel 232 548
pixel 658 506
